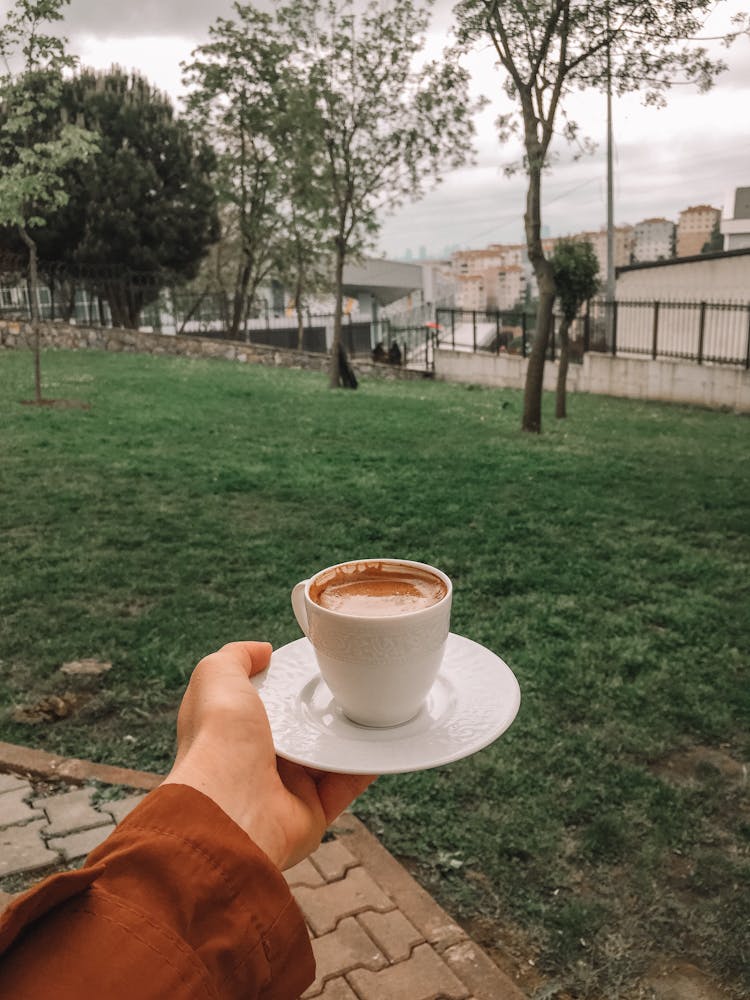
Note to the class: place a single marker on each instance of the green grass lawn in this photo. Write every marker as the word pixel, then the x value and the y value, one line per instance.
pixel 606 561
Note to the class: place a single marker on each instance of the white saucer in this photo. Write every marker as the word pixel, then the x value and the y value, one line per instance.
pixel 473 701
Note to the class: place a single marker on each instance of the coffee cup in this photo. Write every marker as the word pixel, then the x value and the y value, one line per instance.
pixel 378 628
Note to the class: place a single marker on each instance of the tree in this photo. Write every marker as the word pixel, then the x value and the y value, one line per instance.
pixel 238 96
pixel 385 126
pixel 575 269
pixel 33 160
pixel 146 199
pixel 715 243
pixel 141 213
pixel 549 50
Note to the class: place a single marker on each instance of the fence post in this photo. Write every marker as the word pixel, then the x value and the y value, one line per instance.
pixel 453 328
pixel 747 354
pixel 614 327
pixel 524 317
pixel 654 339
pixel 701 332
pixel 474 328
pixel 497 332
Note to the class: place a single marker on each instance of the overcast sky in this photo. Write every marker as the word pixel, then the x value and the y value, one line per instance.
pixel 694 151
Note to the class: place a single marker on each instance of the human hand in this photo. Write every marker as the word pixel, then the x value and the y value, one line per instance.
pixel 225 750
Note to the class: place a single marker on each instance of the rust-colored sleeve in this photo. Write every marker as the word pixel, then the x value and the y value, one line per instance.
pixel 177 903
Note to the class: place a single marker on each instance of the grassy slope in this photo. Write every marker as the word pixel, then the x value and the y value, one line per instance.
pixel 607 561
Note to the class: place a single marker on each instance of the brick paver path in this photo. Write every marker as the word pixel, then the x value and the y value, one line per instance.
pixel 376 934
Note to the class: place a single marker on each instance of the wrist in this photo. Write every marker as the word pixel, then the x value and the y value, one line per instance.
pixel 241 807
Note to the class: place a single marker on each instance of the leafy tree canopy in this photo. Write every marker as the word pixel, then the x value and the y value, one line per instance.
pixel 576 270
pixel 143 206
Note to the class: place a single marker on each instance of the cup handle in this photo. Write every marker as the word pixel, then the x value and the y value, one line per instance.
pixel 298 605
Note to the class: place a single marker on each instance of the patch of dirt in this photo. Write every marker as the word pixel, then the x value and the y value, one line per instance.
pixel 510 949
pixel 695 764
pixel 681 981
pixel 51 708
pixel 58 404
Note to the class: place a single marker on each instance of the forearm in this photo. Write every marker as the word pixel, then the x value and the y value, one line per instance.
pixel 178 901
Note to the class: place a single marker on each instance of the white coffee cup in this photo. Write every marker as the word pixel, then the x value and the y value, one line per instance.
pixel 379 668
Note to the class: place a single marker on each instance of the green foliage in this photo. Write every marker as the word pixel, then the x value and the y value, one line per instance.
pixel 385 127
pixel 33 160
pixel 323 121
pixel 139 213
pixel 239 89
pixel 576 270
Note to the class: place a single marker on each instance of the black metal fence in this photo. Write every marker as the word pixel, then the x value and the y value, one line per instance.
pixel 716 332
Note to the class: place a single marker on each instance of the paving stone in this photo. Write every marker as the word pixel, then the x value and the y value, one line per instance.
pixel 337 989
pixel 303 874
pixel 14 810
pixel 425 976
pixel 346 948
pixel 23 850
pixel 393 933
pixel 333 860
pixel 325 907
pixel 10 783
pixel 474 968
pixel 118 809
pixel 70 811
pixel 78 845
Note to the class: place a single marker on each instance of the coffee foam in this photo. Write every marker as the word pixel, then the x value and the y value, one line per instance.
pixel 377 589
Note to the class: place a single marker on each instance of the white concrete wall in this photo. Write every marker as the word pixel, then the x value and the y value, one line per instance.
pixel 713 386
pixel 717 279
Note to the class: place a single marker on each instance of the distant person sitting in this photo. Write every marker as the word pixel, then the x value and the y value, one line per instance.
pixel 394 354
pixel 379 353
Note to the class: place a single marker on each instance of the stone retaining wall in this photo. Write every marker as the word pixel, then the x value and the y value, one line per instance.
pixel 18 335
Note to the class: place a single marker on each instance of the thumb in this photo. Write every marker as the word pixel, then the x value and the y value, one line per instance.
pixel 253 657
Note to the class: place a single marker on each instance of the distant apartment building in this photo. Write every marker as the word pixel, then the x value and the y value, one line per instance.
pixel 492 278
pixel 653 240
pixel 694 228
pixel 510 287
pixel 624 239
pixel 735 223
pixel 470 292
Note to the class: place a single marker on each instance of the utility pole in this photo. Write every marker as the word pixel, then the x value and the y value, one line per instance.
pixel 610 296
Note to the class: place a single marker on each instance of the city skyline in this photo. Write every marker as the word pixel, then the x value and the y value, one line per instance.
pixel 694 151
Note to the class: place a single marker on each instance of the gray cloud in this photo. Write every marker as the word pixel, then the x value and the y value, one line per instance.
pixel 107 18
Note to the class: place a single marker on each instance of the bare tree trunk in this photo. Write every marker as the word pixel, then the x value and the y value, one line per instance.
pixel 334 380
pixel 240 292
pixel 298 308
pixel 34 296
pixel 532 401
pixel 562 370
pixel 192 311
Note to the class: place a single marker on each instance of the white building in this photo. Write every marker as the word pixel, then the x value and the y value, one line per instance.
pixel 653 240
pixel 735 224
